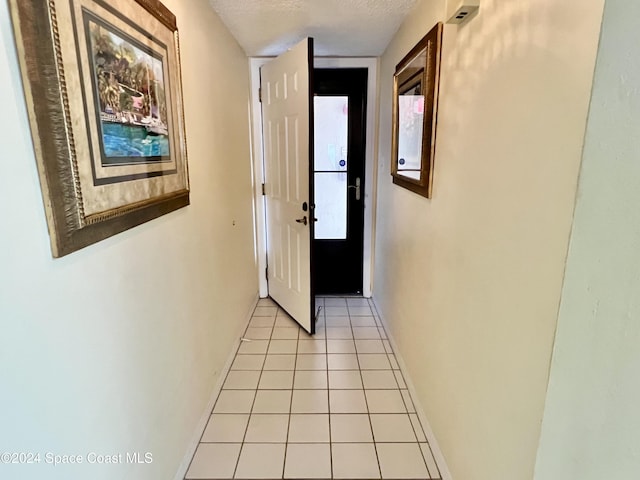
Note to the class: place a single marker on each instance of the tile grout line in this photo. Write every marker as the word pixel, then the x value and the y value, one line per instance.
pixel 378 326
pixel 255 395
pixel 286 444
pixel 364 393
pixel 326 356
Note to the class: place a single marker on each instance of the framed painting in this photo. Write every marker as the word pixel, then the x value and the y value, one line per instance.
pixel 103 91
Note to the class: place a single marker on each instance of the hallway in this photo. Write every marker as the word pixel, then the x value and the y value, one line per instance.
pixel 334 405
pixel 511 296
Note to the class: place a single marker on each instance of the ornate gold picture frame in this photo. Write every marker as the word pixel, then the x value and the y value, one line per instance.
pixel 415 112
pixel 103 91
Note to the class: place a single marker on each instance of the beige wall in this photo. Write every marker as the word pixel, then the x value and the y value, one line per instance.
pixel 470 280
pixel 118 347
pixel 591 421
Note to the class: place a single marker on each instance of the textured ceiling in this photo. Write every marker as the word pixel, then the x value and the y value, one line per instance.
pixel 339 27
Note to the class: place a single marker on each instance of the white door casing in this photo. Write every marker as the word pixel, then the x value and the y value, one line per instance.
pixel 288 140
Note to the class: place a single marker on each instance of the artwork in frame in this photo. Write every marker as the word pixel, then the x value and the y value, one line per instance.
pixel 103 92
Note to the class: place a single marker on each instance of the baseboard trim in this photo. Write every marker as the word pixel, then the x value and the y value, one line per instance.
pixel 445 474
pixel 204 419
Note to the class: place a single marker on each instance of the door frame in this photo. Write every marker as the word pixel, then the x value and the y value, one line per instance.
pixel 371 170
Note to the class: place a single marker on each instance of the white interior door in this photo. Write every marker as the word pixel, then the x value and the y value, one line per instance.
pixel 287 112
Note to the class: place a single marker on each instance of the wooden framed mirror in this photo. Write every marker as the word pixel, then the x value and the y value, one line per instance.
pixel 415 108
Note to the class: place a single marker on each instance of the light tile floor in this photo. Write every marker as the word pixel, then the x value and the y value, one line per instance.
pixel 331 406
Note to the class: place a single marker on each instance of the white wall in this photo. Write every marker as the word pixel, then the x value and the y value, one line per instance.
pixel 470 280
pixel 117 347
pixel 591 420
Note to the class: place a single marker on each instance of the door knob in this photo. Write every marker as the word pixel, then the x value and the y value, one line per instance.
pixel 302 220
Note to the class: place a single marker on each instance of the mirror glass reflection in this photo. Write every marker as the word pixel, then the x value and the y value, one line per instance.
pixel 410 128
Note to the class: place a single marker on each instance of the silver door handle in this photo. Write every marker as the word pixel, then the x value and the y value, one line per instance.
pixel 357 187
pixel 302 220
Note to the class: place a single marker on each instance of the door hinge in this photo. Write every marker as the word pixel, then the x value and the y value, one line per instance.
pixel 260 94
pixel 264 190
pixel 266 273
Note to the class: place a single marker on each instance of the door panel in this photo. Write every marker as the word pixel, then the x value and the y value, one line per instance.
pixel 288 141
pixel 339 172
